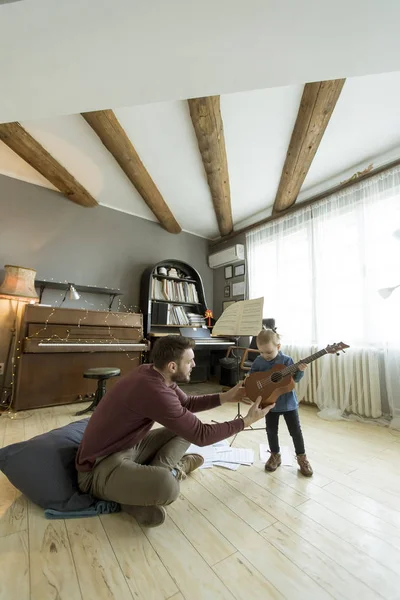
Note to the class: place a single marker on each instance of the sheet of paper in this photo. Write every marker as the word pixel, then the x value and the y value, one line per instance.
pixel 225 465
pixel 222 443
pixel 242 318
pixel 241 456
pixel 207 452
pixel 287 456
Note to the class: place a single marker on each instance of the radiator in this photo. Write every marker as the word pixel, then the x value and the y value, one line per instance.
pixel 354 383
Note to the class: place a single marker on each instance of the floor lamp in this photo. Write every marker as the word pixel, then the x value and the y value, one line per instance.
pixel 18 286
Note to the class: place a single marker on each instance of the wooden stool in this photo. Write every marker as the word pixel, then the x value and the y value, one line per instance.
pixel 101 374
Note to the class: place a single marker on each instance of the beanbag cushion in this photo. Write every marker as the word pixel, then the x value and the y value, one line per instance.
pixel 43 468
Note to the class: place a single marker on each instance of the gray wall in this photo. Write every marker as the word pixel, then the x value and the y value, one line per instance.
pixel 219 275
pixel 41 229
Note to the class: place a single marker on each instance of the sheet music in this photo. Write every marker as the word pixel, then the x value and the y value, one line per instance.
pixel 240 456
pixel 241 318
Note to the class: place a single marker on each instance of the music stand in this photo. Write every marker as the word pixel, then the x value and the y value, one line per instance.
pixel 244 318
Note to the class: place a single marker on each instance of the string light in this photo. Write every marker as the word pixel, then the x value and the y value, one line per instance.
pixel 117 343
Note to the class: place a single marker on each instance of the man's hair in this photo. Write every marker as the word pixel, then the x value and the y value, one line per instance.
pixel 268 335
pixel 170 348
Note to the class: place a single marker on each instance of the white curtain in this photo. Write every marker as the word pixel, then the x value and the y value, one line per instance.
pixel 319 271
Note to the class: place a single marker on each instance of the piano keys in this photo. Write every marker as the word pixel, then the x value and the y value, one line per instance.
pixel 59 344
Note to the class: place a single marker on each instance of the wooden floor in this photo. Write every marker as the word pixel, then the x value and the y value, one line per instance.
pixel 246 534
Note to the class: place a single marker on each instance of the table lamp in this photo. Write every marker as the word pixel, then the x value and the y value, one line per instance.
pixel 19 286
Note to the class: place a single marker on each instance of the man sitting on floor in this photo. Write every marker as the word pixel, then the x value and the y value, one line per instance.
pixel 120 459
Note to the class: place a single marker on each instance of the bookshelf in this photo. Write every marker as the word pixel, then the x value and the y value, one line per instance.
pixel 171 296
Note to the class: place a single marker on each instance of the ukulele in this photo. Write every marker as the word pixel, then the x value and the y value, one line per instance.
pixel 278 380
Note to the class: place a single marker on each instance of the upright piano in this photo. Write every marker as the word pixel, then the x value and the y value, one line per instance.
pixel 59 344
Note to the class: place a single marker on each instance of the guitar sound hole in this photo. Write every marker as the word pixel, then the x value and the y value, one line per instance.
pixel 276 377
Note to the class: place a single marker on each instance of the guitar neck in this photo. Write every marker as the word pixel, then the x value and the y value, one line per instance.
pixel 293 368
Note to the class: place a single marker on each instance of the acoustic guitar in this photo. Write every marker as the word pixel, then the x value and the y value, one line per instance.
pixel 278 380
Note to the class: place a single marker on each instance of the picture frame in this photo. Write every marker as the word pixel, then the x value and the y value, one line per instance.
pixel 227 303
pixel 228 272
pixel 240 270
pixel 227 291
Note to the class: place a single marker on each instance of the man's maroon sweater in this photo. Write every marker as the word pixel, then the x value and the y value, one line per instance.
pixel 128 411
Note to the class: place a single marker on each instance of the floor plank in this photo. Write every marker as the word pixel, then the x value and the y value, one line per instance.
pixel 207 540
pixel 275 567
pixel 378 578
pixel 52 568
pixel 244 580
pixel 144 572
pixel 13 508
pixel 379 550
pixel 99 573
pixel 330 576
pixel 250 512
pixel 231 534
pixel 193 576
pixel 14 567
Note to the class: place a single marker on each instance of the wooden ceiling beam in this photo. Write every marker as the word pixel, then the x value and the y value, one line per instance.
pixel 106 125
pixel 316 107
pixel 207 122
pixel 23 144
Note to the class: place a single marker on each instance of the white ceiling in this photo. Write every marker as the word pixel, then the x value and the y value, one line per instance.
pixel 364 128
pixel 68 56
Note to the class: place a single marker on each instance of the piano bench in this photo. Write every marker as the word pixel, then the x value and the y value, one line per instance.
pixel 101 374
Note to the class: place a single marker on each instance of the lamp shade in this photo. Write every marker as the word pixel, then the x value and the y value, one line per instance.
pixel 19 284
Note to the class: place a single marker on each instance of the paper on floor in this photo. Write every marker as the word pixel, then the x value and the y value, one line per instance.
pixel 225 465
pixel 241 456
pixel 222 455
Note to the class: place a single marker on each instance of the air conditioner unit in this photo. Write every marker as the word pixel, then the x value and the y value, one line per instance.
pixel 227 256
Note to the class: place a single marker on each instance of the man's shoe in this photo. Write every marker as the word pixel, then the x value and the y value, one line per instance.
pixel 273 462
pixel 147 516
pixel 188 464
pixel 305 467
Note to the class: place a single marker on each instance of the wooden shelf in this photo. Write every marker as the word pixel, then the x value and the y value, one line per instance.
pixel 174 278
pixel 42 284
pixel 178 302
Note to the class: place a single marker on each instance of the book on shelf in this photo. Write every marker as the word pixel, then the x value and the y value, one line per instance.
pixel 172 314
pixel 175 291
pixel 196 320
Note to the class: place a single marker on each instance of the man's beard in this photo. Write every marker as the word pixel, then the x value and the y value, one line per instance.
pixel 180 377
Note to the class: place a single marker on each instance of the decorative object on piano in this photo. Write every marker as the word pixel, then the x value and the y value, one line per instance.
pixel 239 270
pixel 227 291
pixel 59 344
pixel 208 315
pixel 18 285
pixel 228 272
pixel 278 380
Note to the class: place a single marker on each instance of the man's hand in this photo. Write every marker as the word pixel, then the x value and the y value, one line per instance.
pixel 256 413
pixel 236 394
pixel 302 366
